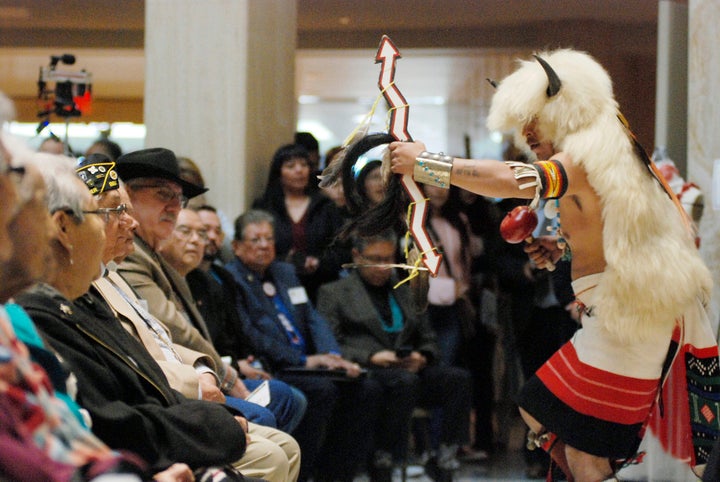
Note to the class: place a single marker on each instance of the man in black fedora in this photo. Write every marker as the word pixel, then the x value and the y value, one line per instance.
pixel 152 180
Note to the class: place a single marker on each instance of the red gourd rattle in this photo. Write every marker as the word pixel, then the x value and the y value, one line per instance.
pixel 518 226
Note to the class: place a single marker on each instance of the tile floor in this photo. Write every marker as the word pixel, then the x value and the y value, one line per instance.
pixel 504 466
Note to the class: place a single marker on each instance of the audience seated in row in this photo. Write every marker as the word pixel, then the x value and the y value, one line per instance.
pixel 152 180
pixel 43 436
pixel 278 451
pixel 189 324
pixel 67 443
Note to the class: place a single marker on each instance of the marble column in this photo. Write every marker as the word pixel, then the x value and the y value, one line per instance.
pixel 219 88
pixel 704 125
pixel 671 91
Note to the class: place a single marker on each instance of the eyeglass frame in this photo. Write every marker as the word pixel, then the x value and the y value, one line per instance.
pixel 19 171
pixel 257 240
pixel 106 212
pixel 379 260
pixel 164 198
pixel 187 236
pixel 16 174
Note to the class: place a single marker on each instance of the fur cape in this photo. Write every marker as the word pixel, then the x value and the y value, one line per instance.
pixel 654 271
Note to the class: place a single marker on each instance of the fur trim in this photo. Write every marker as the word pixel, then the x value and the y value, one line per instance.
pixel 654 272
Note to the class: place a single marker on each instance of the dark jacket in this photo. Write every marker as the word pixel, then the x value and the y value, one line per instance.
pixel 129 399
pixel 262 324
pixel 356 323
pixel 216 296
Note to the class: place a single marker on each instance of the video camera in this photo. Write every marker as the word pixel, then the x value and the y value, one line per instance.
pixel 72 93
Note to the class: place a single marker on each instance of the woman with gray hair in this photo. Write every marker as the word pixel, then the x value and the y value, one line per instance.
pixel 80 237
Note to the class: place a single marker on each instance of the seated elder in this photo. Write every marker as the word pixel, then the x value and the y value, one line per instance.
pixel 184 251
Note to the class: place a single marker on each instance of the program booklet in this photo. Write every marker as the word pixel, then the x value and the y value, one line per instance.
pixel 261 395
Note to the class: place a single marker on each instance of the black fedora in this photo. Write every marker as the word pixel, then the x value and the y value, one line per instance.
pixel 155 162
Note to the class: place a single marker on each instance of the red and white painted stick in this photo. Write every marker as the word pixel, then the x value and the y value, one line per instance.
pixel 387 55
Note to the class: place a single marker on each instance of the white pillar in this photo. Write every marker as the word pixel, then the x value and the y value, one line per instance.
pixel 219 88
pixel 704 124
pixel 671 90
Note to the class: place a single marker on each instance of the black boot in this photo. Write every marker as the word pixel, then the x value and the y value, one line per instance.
pixel 435 472
pixel 382 467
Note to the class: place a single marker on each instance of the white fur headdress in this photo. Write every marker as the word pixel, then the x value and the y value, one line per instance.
pixel 654 272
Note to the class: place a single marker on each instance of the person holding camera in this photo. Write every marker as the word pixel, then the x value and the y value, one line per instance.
pixel 379 328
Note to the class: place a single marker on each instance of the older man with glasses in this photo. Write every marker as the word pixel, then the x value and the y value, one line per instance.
pixel 184 249
pixel 157 193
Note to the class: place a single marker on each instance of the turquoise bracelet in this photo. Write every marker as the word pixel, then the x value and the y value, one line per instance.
pixel 433 169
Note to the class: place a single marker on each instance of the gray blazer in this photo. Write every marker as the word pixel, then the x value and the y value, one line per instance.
pixel 356 323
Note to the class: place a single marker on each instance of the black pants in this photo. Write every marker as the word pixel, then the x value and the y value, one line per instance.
pixel 443 387
pixel 336 432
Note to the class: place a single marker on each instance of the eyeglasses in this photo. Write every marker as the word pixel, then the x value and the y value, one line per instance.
pixel 257 241
pixel 185 233
pixel 106 212
pixel 164 194
pixel 17 175
pixel 379 259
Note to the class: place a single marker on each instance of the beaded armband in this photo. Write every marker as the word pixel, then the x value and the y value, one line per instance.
pixel 547 177
pixel 433 169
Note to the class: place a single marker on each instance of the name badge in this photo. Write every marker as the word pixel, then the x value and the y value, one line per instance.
pixel 298 295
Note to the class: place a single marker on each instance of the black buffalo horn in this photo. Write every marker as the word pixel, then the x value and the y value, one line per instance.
pixel 554 83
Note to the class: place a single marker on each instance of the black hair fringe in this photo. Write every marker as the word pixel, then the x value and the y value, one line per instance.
pixel 369 221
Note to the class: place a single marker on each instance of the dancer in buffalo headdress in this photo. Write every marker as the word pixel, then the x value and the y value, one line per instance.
pixel 644 364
